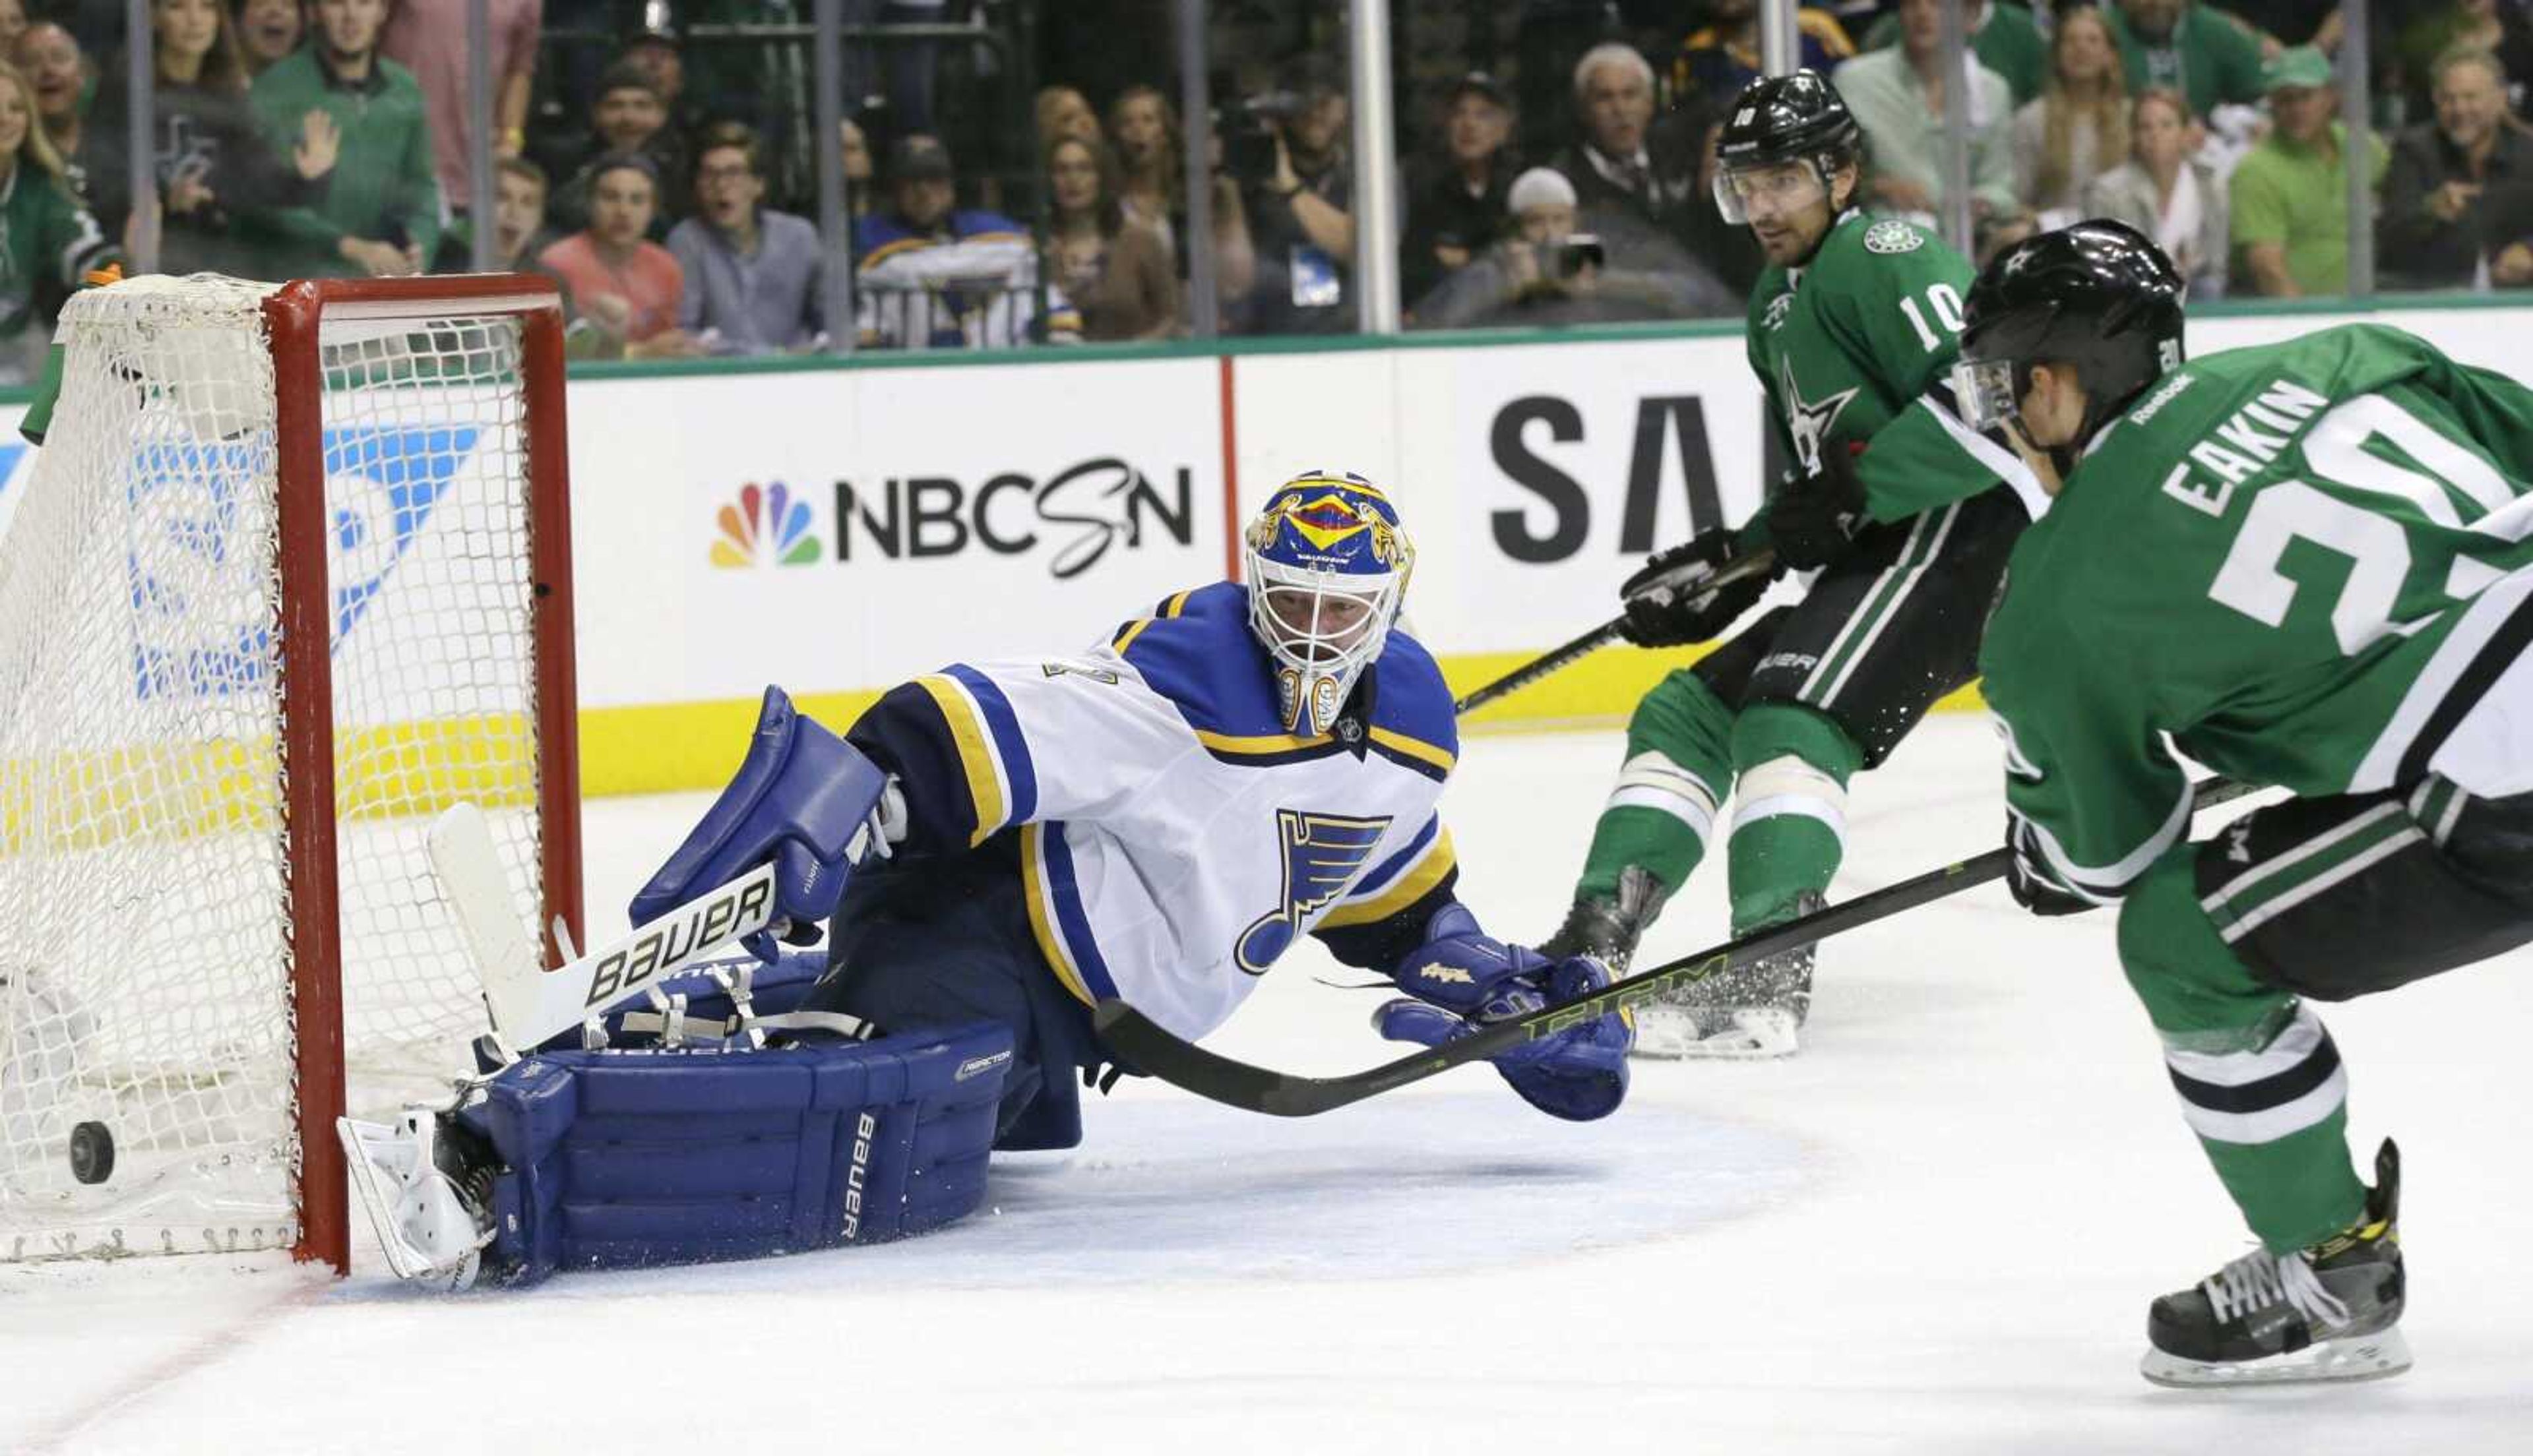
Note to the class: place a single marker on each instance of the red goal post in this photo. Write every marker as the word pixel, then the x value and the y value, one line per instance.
pixel 297 316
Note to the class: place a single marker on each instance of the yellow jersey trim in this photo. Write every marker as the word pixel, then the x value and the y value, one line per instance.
pixel 1135 629
pixel 1400 893
pixel 1035 890
pixel 1416 748
pixel 975 754
pixel 1261 744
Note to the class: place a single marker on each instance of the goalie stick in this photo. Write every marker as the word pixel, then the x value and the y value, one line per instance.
pixel 530 1005
pixel 1144 1046
pixel 1558 659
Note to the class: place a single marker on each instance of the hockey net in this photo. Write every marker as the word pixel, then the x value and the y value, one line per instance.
pixel 290 576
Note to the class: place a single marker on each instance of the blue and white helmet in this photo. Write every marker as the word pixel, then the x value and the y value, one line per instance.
pixel 1328 567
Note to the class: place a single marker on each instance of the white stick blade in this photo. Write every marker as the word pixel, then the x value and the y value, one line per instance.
pixel 468 866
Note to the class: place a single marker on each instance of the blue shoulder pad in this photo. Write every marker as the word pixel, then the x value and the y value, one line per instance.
pixel 1413 722
pixel 618 1160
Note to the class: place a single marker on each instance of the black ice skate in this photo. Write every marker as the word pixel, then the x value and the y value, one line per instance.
pixel 2327 1312
pixel 1751 1012
pixel 1607 927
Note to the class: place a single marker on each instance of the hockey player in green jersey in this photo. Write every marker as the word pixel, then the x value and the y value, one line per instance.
pixel 1851 334
pixel 2303 564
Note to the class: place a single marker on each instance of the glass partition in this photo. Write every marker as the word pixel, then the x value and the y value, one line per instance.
pixel 726 177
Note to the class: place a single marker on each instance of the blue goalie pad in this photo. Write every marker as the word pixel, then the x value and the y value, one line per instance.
pixel 629 1159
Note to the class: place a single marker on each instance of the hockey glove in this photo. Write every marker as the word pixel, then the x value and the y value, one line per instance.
pixel 1813 518
pixel 1666 603
pixel 2028 875
pixel 803 798
pixel 1464 978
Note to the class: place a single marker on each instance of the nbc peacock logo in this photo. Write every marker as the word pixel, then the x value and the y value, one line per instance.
pixel 765 524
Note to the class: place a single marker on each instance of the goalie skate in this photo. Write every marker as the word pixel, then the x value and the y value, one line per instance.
pixel 426 1195
pixel 2327 1312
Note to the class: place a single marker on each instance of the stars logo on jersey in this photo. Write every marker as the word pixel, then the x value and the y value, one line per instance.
pixel 1323 854
pixel 1891 235
pixel 1809 422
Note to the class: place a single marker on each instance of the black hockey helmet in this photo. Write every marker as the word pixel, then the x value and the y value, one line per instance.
pixel 2099 296
pixel 1797 117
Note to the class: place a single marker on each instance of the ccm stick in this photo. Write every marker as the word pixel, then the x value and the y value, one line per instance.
pixel 1145 1047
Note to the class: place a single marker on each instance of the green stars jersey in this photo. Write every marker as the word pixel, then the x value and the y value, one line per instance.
pixel 2307 562
pixel 1856 347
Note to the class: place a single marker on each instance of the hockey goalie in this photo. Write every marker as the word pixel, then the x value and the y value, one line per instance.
pixel 988 851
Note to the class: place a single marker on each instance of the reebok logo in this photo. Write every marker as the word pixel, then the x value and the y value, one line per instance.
pixel 1451 973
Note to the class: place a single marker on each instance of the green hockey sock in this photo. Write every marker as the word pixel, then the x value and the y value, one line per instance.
pixel 1661 812
pixel 1789 812
pixel 2259 1078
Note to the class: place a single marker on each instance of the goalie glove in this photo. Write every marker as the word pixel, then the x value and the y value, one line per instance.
pixel 1813 518
pixel 803 798
pixel 1669 604
pixel 1464 978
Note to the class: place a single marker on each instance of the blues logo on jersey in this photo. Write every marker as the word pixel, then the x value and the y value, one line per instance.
pixel 1323 854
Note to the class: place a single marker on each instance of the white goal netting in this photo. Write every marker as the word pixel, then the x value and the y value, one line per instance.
pixel 145 885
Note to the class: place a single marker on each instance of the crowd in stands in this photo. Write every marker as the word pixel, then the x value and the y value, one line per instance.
pixel 1562 174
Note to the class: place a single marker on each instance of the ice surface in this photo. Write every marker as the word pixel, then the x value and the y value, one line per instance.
pixel 1936 1230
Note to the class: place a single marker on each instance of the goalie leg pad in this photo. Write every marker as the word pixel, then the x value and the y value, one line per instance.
pixel 633 1159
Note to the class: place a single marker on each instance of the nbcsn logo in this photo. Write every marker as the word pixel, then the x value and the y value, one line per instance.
pixel 765 524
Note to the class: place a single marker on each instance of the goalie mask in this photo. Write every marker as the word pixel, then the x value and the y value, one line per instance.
pixel 1328 565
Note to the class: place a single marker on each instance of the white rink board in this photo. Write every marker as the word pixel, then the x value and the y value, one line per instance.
pixel 995 510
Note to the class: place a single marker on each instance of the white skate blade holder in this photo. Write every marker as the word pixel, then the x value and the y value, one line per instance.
pixel 392 1168
pixel 2350 1358
pixel 530 1005
pixel 1669 1033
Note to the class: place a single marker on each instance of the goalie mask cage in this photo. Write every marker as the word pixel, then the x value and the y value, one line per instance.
pixel 292 574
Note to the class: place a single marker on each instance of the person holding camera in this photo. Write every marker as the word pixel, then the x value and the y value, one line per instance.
pixel 1297 186
pixel 1546 271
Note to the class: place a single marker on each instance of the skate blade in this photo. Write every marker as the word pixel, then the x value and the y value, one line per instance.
pixel 2374 1356
pixel 381 1156
pixel 1677 1034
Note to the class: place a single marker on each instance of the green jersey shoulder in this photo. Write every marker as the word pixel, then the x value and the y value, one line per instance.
pixel 2279 556
pixel 1854 349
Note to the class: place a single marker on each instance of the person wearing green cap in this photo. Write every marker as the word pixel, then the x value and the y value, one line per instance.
pixel 2290 192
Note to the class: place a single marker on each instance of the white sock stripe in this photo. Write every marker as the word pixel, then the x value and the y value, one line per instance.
pixel 1699 818
pixel 1655 770
pixel 2418 801
pixel 2300 854
pixel 1747 812
pixel 2299 1039
pixel 2270 1124
pixel 2307 890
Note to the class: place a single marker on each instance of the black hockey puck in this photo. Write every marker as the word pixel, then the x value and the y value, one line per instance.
pixel 92 1152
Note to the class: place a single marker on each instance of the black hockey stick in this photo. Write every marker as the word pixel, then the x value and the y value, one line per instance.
pixel 1141 1045
pixel 1558 659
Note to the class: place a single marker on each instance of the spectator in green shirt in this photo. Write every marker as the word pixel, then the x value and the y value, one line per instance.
pixel 2290 192
pixel 49 242
pixel 2207 56
pixel 1898 99
pixel 2005 37
pixel 380 214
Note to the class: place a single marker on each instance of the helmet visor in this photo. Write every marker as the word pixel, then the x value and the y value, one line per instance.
pixel 1984 391
pixel 1767 190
